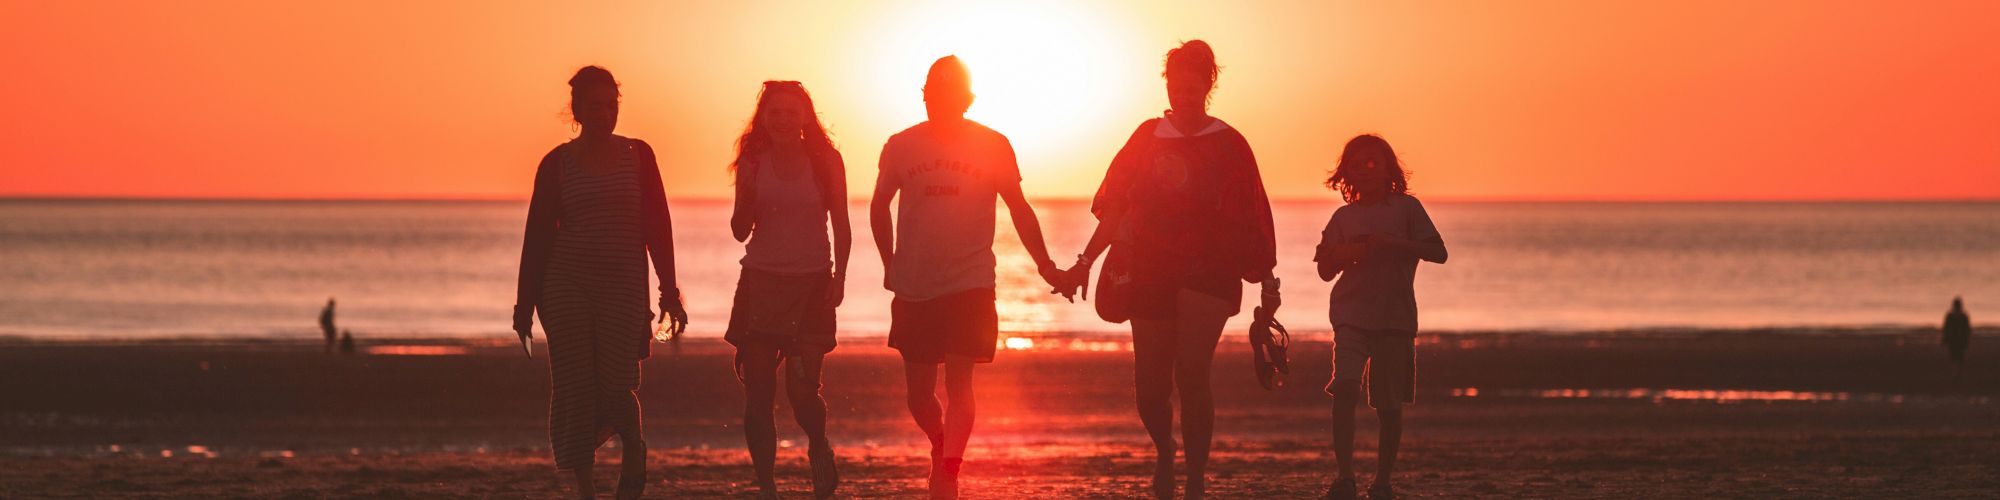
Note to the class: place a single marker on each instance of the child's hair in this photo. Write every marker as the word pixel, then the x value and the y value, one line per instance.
pixel 1350 156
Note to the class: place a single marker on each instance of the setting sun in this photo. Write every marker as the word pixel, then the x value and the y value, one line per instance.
pixel 1051 77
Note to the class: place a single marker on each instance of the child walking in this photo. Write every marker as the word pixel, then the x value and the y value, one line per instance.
pixel 1373 244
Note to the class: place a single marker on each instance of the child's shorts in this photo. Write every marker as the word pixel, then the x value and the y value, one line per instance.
pixel 1384 361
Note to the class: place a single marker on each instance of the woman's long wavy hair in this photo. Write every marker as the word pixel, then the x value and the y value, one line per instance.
pixel 1350 157
pixel 756 139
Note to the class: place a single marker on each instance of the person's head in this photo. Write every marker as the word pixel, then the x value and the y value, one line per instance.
pixel 593 99
pixel 948 89
pixel 1190 75
pixel 1957 304
pixel 784 112
pixel 1368 170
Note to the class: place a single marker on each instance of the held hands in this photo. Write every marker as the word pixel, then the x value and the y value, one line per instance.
pixel 1058 280
pixel 1078 276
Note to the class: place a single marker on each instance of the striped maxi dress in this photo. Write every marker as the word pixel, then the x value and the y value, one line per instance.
pixel 583 267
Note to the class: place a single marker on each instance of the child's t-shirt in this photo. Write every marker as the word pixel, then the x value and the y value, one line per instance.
pixel 949 181
pixel 1378 291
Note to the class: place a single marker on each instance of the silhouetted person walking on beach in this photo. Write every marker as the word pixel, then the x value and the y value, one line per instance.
pixel 937 256
pixel 1373 244
pixel 598 210
pixel 1185 216
pixel 1957 334
pixel 790 183
pixel 346 342
pixel 326 324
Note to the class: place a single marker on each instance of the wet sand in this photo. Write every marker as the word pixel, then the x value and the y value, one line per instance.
pixel 1730 414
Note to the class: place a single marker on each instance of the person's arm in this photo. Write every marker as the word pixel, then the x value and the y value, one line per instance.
pixel 544 216
pixel 1431 249
pixel 1109 205
pixel 1424 241
pixel 1260 232
pixel 843 233
pixel 1030 230
pixel 887 181
pixel 659 237
pixel 743 214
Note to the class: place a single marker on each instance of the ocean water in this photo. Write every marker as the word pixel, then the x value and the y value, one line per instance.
pixel 83 269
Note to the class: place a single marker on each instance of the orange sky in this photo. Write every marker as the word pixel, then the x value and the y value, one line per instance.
pixel 1485 100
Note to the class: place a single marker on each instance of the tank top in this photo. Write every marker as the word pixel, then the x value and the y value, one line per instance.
pixel 791 232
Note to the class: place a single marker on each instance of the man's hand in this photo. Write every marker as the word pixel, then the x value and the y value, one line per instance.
pixel 1059 282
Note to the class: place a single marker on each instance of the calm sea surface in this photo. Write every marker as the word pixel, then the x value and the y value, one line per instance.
pixel 140 269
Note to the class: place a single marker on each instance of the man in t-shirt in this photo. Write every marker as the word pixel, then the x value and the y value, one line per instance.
pixel 939 259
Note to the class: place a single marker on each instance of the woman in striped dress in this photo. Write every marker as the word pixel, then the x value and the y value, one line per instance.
pixel 598 209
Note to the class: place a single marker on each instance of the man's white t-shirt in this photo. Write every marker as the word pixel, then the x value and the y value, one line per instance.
pixel 949 177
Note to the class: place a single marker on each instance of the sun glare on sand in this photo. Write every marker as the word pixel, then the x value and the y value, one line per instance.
pixel 1042 73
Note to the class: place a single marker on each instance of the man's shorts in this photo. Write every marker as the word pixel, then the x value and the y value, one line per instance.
pixel 962 323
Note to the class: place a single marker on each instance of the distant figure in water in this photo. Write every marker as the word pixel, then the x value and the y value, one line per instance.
pixel 1183 212
pixel 1957 333
pixel 597 212
pixel 346 342
pixel 326 324
pixel 1373 244
pixel 791 185
pixel 937 256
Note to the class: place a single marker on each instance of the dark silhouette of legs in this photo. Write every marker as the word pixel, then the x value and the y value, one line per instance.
pixel 1200 327
pixel 1153 378
pixel 760 431
pixel 948 426
pixel 802 386
pixel 1175 354
pixel 1391 438
pixel 1345 394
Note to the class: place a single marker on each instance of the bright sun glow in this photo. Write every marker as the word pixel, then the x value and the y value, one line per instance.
pixel 1053 77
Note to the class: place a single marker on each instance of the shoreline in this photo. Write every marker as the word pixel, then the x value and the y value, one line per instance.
pixel 1523 415
pixel 1229 336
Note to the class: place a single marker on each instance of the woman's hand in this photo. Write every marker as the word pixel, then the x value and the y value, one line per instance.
pixel 1270 298
pixel 676 318
pixel 836 290
pixel 1077 278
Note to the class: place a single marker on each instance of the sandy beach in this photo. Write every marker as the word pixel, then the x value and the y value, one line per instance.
pixel 1719 413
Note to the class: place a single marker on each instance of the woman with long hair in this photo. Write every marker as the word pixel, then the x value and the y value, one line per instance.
pixel 597 212
pixel 1184 213
pixel 790 183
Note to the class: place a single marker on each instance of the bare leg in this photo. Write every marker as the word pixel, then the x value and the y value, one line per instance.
pixel 632 440
pixel 802 386
pixel 760 431
pixel 1345 394
pixel 1391 437
pixel 958 418
pixel 921 381
pixel 585 488
pixel 1153 379
pixel 1199 328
